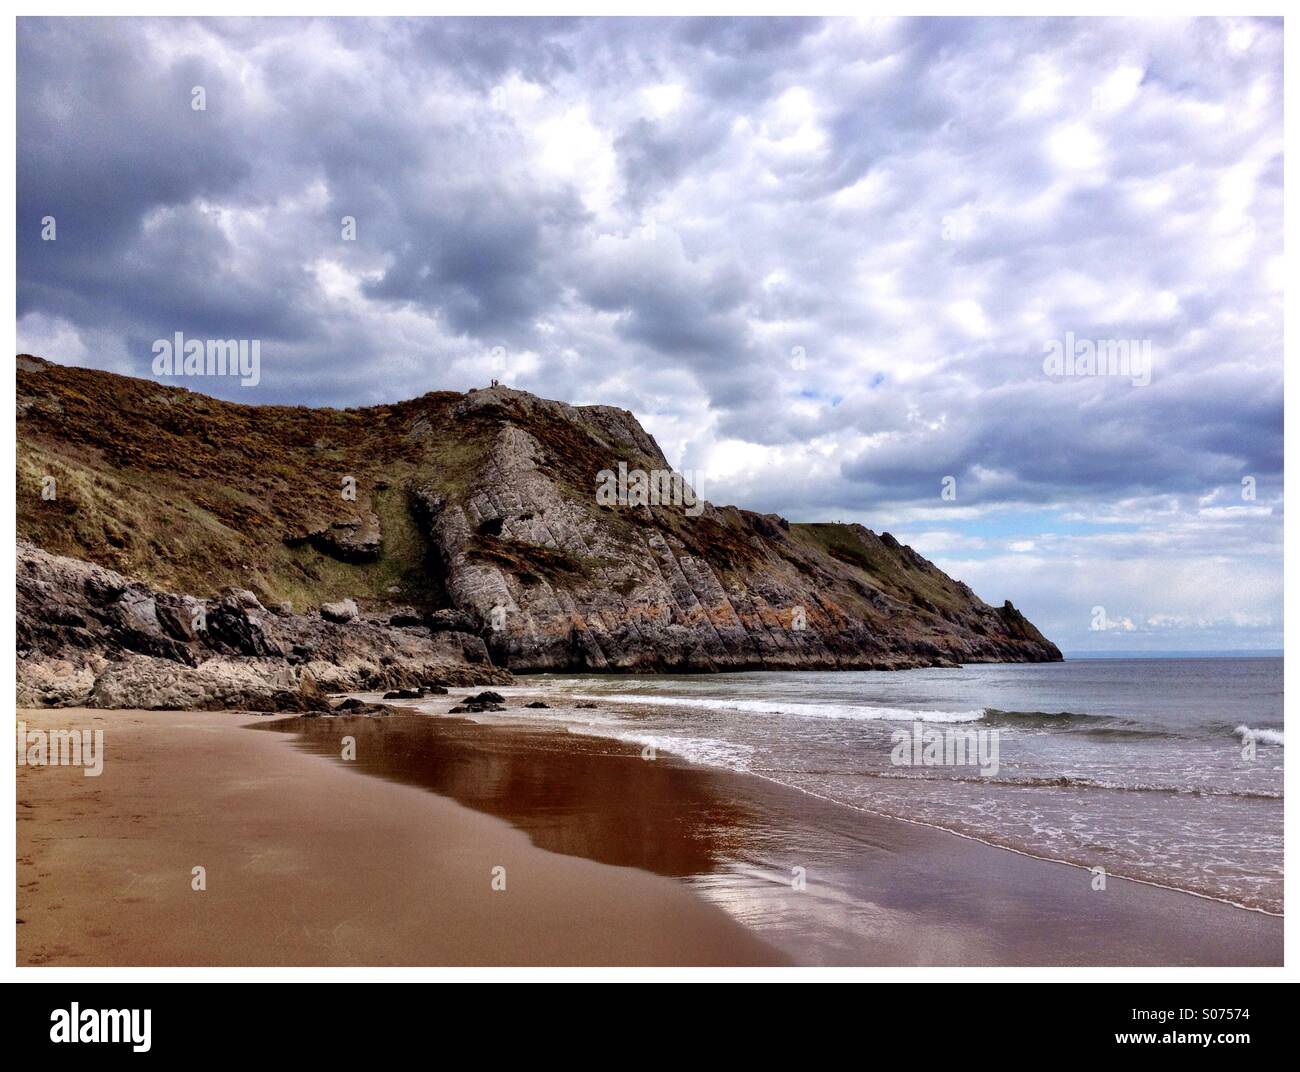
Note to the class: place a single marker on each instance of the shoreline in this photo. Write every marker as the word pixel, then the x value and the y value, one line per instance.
pixel 880 889
pixel 520 693
pixel 1018 851
pixel 757 811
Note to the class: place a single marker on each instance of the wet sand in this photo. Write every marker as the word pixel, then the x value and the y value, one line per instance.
pixel 610 859
pixel 310 863
pixel 874 890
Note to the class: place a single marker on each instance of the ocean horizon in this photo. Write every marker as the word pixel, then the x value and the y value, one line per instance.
pixel 1227 653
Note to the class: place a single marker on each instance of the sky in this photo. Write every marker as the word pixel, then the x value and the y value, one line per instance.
pixel 825 262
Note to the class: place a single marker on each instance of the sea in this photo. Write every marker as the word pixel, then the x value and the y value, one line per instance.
pixel 1163 770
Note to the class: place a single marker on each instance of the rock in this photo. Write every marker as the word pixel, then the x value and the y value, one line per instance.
pixel 538 704
pixel 87 636
pixel 351 539
pixel 181 617
pixel 487 698
pixel 342 611
pixel 404 694
pixel 585 704
pixel 474 708
pixel 244 598
pixel 433 688
pixel 353 706
pixel 54 683
pixel 444 621
pixel 405 617
pixel 311 691
pixel 219 683
pixel 235 628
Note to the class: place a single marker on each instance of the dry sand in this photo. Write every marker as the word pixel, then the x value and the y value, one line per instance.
pixel 309 863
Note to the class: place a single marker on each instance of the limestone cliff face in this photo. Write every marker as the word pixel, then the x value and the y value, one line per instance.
pixel 564 583
pixel 482 510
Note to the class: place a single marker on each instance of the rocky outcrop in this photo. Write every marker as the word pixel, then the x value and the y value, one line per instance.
pixel 89 636
pixel 496 550
pixel 353 539
pixel 562 582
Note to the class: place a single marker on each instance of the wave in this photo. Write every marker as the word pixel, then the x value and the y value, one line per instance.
pixel 1079 722
pixel 1063 781
pixel 1261 736
pixel 1067 781
pixel 703 751
pixel 852 712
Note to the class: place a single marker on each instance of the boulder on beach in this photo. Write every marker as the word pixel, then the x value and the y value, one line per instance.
pixel 342 611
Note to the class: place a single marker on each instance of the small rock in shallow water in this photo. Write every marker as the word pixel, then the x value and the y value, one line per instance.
pixel 360 707
pixel 404 694
pixel 538 703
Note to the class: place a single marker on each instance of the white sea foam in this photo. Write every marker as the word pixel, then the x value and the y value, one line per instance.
pixel 853 712
pixel 704 751
pixel 1263 736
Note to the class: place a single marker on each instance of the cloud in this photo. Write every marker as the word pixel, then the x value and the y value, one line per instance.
pixel 820 258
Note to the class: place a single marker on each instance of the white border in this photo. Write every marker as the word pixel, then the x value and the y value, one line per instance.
pixel 8 970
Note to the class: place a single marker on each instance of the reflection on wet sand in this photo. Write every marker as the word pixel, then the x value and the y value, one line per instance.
pixel 824 883
pixel 580 796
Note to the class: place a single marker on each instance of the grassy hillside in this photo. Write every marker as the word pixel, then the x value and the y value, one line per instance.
pixel 191 493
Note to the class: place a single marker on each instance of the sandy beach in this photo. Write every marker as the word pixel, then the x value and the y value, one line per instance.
pixel 388 859
pixel 309 863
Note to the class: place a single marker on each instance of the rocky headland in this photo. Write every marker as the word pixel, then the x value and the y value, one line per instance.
pixel 181 551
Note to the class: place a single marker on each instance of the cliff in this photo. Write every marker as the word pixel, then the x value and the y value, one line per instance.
pixel 479 510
